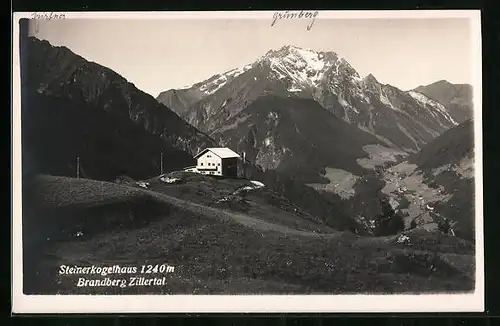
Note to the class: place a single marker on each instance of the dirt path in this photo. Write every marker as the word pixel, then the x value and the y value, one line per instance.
pixel 243 219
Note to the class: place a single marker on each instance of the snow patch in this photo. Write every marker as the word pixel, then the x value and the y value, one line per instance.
pixel 431 105
pixel 210 87
pixel 142 184
pixel 385 100
pixel 258 183
pixel 223 199
pixel 311 58
pixel 294 89
pixel 169 180
pixel 304 67
pixel 403 239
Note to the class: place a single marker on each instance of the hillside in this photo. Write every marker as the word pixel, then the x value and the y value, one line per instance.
pixel 179 100
pixel 449 148
pixel 448 162
pixel 57 130
pixel 220 249
pixel 295 136
pixel 58 72
pixel 457 98
pixel 279 189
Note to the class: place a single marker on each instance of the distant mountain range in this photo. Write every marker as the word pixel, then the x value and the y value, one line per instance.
pixel 405 120
pixel 457 98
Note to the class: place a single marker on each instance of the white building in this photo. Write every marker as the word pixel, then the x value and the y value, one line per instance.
pixel 219 161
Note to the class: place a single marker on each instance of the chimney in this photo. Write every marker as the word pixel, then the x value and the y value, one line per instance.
pixel 243 155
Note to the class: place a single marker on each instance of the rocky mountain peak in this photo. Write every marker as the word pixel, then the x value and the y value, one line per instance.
pixel 308 55
pixel 305 67
pixel 371 83
pixel 370 79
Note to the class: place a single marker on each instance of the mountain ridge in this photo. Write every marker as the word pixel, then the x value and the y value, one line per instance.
pixel 58 71
pixel 386 111
pixel 457 98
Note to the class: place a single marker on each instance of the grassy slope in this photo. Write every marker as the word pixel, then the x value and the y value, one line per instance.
pixel 262 203
pixel 215 250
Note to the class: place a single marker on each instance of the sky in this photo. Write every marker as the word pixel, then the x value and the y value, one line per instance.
pixel 161 54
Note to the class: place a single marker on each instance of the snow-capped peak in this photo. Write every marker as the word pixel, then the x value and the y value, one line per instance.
pixel 306 67
pixel 303 67
pixel 315 59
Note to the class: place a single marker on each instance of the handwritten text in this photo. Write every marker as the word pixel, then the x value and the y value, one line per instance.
pixel 47 15
pixel 311 15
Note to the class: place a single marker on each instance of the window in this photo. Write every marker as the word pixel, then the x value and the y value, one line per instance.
pixel 201 164
pixel 218 164
pixel 209 156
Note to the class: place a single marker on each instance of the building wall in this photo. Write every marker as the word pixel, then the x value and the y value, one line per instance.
pixel 230 167
pixel 209 163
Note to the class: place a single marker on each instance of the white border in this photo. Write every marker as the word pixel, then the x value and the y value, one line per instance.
pixel 473 302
